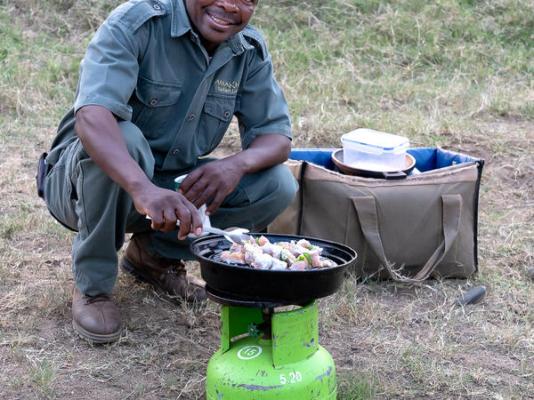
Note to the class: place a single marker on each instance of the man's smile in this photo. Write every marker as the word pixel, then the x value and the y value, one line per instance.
pixel 219 20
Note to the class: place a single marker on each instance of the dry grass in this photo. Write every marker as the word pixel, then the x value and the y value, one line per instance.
pixel 451 73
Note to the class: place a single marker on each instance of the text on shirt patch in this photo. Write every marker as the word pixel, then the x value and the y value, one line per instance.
pixel 228 87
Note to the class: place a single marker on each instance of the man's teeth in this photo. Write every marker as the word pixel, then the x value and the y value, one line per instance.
pixel 220 21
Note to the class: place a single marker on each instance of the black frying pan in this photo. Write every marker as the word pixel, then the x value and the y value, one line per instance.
pixel 283 287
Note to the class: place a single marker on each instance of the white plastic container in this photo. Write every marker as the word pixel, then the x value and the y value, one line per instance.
pixel 374 151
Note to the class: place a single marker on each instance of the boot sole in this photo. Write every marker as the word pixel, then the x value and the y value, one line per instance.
pixel 95 337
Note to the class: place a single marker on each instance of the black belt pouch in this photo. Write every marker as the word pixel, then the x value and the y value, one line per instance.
pixel 42 169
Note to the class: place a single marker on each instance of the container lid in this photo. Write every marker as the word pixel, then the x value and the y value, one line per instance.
pixel 370 137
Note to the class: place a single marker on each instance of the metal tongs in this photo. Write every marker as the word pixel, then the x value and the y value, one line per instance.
pixel 236 235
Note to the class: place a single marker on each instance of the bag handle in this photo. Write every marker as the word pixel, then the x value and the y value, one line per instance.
pixel 367 215
pixel 303 168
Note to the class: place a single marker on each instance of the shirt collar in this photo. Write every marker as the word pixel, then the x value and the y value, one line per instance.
pixel 180 26
pixel 241 43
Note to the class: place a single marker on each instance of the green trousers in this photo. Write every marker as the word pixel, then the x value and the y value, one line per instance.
pixel 82 197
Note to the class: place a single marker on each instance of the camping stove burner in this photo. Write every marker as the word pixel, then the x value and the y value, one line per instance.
pixel 239 301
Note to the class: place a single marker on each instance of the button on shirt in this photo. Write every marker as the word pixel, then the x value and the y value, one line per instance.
pixel 146 64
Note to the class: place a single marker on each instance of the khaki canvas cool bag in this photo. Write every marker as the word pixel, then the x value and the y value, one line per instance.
pixel 408 230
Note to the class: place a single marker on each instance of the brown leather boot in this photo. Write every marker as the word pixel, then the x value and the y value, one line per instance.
pixel 95 318
pixel 163 273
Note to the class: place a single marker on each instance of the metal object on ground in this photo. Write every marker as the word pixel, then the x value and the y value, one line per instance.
pixel 472 296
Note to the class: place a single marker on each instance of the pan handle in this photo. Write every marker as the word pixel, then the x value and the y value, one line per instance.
pixel 394 175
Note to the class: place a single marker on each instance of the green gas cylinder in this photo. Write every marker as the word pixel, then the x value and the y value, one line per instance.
pixel 267 354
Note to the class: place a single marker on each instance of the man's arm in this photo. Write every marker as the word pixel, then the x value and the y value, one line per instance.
pixel 102 138
pixel 108 77
pixel 265 151
pixel 212 182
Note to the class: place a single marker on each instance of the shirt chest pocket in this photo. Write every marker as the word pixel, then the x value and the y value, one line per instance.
pixel 155 106
pixel 214 122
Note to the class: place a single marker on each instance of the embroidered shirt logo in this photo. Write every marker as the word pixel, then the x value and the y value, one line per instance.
pixel 228 87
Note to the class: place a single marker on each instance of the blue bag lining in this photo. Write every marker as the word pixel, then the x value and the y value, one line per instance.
pixel 427 158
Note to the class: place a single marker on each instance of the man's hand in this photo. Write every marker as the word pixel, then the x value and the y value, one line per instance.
pixel 165 207
pixel 211 183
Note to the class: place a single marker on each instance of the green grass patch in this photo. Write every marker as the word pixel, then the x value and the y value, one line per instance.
pixel 356 387
pixel 9 227
pixel 422 69
pixel 412 67
pixel 42 376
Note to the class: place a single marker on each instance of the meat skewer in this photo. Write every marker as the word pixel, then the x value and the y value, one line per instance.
pixel 260 253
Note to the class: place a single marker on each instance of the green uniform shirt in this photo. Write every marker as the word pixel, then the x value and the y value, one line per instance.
pixel 147 65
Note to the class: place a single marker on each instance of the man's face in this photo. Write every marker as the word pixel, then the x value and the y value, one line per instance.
pixel 217 20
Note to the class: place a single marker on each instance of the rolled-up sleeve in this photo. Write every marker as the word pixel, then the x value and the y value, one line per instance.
pixel 261 107
pixel 109 70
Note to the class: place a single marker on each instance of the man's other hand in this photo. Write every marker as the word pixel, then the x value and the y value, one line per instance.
pixel 211 183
